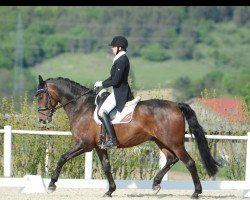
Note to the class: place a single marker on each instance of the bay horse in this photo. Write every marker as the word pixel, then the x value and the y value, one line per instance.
pixel 161 121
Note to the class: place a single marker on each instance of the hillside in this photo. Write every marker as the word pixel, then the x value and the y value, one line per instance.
pixel 88 68
pixel 188 48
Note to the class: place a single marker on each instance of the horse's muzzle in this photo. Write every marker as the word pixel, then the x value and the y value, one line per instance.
pixel 45 121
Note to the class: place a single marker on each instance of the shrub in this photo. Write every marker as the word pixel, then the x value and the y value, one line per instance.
pixel 155 52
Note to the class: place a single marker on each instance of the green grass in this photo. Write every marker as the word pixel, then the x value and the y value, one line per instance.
pixel 179 167
pixel 222 173
pixel 151 74
pixel 88 68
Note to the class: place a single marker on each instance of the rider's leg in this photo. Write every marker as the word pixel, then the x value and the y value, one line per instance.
pixel 111 132
pixel 106 107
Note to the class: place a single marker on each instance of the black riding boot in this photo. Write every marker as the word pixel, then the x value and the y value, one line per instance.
pixel 111 132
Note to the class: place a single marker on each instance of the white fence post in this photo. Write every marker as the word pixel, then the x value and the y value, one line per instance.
pixel 247 174
pixel 7 151
pixel 88 165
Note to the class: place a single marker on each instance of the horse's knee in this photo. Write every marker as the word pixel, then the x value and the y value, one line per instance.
pixel 106 167
pixel 191 165
pixel 61 161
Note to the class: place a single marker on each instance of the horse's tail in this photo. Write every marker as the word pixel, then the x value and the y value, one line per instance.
pixel 195 128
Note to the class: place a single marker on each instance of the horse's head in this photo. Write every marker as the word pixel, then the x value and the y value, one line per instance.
pixel 45 101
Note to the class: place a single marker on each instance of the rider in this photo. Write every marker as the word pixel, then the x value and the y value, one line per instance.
pixel 118 80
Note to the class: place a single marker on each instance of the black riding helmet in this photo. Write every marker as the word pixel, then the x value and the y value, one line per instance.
pixel 119 41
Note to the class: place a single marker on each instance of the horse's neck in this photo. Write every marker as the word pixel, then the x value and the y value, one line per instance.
pixel 65 98
pixel 75 103
pixel 71 102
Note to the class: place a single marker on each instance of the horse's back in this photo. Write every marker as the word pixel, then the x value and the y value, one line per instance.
pixel 163 119
pixel 158 105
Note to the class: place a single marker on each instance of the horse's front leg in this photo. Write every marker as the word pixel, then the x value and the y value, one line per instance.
pixel 103 156
pixel 77 150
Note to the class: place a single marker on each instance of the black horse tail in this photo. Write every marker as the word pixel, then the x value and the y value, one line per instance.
pixel 195 128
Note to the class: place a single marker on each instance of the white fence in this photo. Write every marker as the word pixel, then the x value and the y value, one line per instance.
pixel 88 182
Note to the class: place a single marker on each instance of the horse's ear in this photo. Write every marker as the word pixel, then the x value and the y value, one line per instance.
pixel 41 81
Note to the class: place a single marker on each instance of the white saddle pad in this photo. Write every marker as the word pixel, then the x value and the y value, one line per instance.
pixel 121 117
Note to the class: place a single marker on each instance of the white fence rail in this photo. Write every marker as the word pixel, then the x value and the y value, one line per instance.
pixel 8 149
pixel 86 183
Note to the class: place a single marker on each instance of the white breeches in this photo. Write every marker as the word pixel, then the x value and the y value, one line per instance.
pixel 108 104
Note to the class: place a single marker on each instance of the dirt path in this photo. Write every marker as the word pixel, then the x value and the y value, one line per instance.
pixel 119 194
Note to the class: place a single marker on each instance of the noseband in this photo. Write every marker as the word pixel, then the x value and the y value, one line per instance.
pixel 48 100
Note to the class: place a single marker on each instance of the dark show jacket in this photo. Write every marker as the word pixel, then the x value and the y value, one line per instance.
pixel 119 80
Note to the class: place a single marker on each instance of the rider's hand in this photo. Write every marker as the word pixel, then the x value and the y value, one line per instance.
pixel 98 84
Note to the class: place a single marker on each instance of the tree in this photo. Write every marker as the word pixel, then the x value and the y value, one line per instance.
pixel 184 49
pixel 246 94
pixel 182 87
pixel 241 15
pixel 234 82
pixel 212 80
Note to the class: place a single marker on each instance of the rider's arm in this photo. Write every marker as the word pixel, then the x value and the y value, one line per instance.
pixel 117 75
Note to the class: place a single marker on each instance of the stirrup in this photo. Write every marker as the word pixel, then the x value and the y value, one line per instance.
pixel 109 144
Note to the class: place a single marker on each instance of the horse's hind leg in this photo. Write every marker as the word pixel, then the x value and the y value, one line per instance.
pixel 171 160
pixel 77 150
pixel 182 154
pixel 103 156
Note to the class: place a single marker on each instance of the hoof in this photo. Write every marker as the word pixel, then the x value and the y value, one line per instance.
pixel 51 188
pixel 156 188
pixel 107 195
pixel 195 196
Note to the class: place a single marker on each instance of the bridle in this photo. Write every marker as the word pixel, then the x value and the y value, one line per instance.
pixel 49 99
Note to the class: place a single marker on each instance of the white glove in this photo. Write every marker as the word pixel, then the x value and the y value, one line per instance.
pixel 98 84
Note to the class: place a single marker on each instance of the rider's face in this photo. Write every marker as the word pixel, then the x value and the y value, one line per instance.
pixel 115 49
